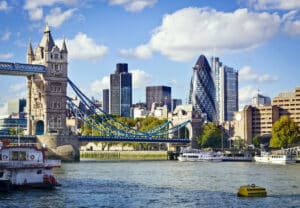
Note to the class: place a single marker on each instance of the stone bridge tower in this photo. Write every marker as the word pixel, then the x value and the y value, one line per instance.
pixel 46 93
pixel 183 113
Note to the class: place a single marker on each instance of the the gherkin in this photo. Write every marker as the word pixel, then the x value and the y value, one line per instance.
pixel 202 89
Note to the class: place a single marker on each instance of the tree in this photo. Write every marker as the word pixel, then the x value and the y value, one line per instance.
pixel 211 136
pixel 284 132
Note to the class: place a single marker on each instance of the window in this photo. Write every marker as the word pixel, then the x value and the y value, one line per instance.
pixel 39 172
pixel 19 156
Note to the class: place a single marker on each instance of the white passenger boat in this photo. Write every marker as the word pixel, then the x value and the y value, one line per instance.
pixel 25 166
pixel 200 155
pixel 278 158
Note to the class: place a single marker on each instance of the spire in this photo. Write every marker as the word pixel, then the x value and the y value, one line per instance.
pixel 47 29
pixel 64 47
pixel 30 50
pixel 47 41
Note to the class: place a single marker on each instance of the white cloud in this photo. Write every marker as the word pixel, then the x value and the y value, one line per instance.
pixel 33 4
pixel 17 87
pixel 84 48
pixel 133 5
pixel 191 31
pixel 3 6
pixel 275 4
pixel 246 73
pixel 35 10
pixel 6 36
pixel 140 52
pixel 36 14
pixel 6 56
pixel 57 17
pixel 3 110
pixel 98 85
pixel 246 94
pixel 291 25
pixel 140 79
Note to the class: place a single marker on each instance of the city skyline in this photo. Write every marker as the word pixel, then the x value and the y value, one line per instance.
pixel 159 41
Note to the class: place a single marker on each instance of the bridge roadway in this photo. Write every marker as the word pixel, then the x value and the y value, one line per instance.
pixel 19 69
pixel 103 139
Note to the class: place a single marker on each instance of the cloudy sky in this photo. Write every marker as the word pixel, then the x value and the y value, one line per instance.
pixel 160 40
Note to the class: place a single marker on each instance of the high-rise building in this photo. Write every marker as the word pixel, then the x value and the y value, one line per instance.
pixel 16 106
pixel 176 102
pixel 226 84
pixel 260 100
pixel 105 100
pixel 160 95
pixel 121 91
pixel 202 89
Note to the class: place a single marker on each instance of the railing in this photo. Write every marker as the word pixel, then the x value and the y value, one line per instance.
pixel 29 164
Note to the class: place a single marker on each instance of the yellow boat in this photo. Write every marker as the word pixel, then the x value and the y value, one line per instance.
pixel 252 191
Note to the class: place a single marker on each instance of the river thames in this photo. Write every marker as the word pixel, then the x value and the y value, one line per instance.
pixel 163 184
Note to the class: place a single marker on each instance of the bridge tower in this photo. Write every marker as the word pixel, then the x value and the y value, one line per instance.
pixel 46 93
pixel 192 130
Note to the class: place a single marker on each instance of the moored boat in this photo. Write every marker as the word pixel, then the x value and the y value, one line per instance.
pixel 194 155
pixel 25 166
pixel 275 158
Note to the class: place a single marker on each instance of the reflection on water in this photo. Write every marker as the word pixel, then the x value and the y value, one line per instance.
pixel 163 184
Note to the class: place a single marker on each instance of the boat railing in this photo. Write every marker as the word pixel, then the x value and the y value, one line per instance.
pixel 29 164
pixel 53 163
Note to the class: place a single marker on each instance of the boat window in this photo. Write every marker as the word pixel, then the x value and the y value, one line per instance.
pixel 1 174
pixel 19 155
pixel 39 172
pixel 0 156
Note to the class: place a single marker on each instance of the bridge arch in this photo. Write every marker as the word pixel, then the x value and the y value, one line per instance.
pixel 39 127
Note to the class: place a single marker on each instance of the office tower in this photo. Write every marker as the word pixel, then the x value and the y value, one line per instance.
pixel 260 100
pixel 160 95
pixel 202 89
pixel 121 91
pixel 105 100
pixel 176 102
pixel 226 85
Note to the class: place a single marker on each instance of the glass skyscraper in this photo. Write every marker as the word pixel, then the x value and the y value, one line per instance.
pixel 160 95
pixel 226 84
pixel 121 91
pixel 202 89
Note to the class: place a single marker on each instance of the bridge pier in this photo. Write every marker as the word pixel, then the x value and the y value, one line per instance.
pixel 63 147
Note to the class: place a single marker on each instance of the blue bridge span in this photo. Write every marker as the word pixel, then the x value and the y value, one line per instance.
pixel 108 127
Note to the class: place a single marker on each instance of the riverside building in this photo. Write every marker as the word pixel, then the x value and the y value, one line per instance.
pixel 258 120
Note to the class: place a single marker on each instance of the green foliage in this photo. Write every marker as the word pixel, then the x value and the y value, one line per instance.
pixel 211 136
pixel 257 140
pixel 284 132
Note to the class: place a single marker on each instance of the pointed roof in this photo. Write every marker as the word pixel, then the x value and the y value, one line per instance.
pixel 64 47
pixel 47 41
pixel 30 50
pixel 203 63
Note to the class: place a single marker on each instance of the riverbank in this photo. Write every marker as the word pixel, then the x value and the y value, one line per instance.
pixel 124 155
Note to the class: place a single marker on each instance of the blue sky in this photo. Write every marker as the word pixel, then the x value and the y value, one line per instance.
pixel 160 40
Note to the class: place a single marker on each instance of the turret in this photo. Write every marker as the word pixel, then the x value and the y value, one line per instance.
pixel 30 54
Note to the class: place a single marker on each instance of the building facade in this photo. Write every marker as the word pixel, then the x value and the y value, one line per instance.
pixel 176 102
pixel 160 95
pixel 226 85
pixel 105 100
pixel 17 107
pixel 289 104
pixel 202 89
pixel 120 98
pixel 259 100
pixel 255 121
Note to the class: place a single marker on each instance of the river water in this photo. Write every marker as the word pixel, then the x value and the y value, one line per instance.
pixel 163 184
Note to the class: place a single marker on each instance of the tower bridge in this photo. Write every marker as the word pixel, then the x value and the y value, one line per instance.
pixel 47 79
